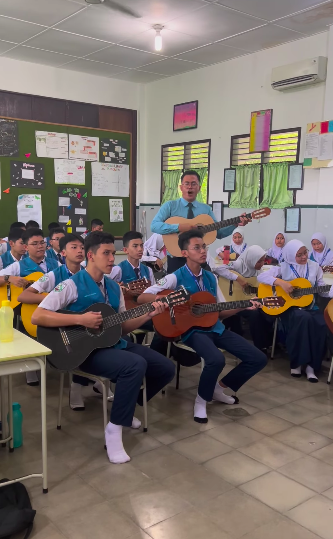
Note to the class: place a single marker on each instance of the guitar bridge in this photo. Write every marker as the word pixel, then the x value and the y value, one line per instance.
pixel 65 340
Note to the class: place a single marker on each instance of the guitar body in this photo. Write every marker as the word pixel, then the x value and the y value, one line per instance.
pixel 185 319
pixel 27 310
pixel 304 301
pixel 233 291
pixel 71 345
pixel 11 292
pixel 328 315
pixel 171 240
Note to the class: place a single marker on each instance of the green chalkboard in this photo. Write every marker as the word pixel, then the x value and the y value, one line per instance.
pixel 98 207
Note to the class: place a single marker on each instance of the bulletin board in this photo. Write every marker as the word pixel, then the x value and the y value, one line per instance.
pixel 319 145
pixel 97 206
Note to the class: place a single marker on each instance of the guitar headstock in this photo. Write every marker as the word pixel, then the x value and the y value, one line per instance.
pixel 273 301
pixel 260 213
pixel 181 295
pixel 140 284
pixel 327 269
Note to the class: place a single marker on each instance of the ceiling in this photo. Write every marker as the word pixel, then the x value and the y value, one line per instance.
pixel 95 39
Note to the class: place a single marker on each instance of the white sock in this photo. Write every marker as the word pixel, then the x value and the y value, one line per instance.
pixel 76 401
pixel 114 444
pixel 296 373
pixel 136 423
pixel 221 397
pixel 98 388
pixel 311 375
pixel 200 414
pixel 31 377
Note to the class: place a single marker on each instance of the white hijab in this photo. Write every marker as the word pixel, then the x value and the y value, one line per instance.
pixel 289 253
pixel 238 248
pixel 275 251
pixel 154 245
pixel 247 260
pixel 326 256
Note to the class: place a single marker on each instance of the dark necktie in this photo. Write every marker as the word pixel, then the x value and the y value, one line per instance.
pixel 59 258
pixel 190 214
pixel 137 273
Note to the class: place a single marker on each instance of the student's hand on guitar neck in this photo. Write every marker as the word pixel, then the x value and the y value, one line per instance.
pixel 18 281
pixel 287 287
pixel 159 309
pixel 244 220
pixel 255 305
pixel 91 320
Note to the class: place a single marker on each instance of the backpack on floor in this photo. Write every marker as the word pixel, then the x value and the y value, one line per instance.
pixel 16 513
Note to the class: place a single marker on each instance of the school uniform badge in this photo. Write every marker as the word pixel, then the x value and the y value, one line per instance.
pixel 162 282
pixel 60 287
pixel 43 279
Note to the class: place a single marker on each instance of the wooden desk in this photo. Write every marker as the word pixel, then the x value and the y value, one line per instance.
pixel 21 355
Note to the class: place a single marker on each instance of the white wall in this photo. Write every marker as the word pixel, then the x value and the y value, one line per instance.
pixel 227 94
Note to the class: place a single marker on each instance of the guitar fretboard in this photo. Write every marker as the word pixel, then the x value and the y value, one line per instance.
pixel 228 305
pixel 119 318
pixel 299 292
pixel 223 224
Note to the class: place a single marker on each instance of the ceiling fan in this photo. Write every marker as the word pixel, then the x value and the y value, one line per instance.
pixel 116 7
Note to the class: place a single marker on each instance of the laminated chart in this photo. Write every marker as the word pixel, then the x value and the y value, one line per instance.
pixel 110 180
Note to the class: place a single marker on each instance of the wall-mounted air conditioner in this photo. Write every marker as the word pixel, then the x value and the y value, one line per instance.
pixel 302 73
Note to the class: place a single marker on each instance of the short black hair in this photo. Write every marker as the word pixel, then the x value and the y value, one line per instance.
pixel 53 225
pixel 95 239
pixel 190 173
pixel 15 234
pixel 17 224
pixel 68 238
pixel 131 235
pixel 96 222
pixel 27 234
pixel 58 230
pixel 185 238
pixel 32 224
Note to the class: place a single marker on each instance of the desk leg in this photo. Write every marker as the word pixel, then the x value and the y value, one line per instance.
pixel 10 414
pixel 3 409
pixel 44 428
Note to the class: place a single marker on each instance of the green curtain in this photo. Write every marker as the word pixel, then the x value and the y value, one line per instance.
pixel 246 194
pixel 203 174
pixel 171 180
pixel 276 194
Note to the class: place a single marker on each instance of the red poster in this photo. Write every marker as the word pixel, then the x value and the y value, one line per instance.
pixel 324 128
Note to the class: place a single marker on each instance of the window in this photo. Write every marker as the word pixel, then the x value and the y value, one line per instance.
pixel 283 146
pixel 179 157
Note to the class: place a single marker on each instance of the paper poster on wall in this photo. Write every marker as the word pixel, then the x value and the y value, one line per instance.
pixel 114 151
pixel 51 144
pixel 27 174
pixel 260 130
pixel 72 206
pixel 69 172
pixel 84 148
pixel 29 207
pixel 9 146
pixel 319 145
pixel 110 180
pixel 325 146
pixel 116 210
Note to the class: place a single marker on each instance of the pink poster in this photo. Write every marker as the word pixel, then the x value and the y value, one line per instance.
pixel 185 116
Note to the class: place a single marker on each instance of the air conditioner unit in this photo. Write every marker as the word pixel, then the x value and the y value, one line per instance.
pixel 302 73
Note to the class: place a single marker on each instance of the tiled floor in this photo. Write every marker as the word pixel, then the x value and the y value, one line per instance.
pixel 265 474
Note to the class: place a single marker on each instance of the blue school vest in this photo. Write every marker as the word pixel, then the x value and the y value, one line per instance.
pixel 7 259
pixel 128 274
pixel 48 244
pixel 89 293
pixel 28 266
pixel 61 274
pixel 185 278
pixel 51 254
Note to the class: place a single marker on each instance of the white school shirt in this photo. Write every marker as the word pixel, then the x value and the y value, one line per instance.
pixel 47 282
pixel 66 293
pixel 169 282
pixel 118 277
pixel 14 269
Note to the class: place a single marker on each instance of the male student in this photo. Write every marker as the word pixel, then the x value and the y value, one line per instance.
pixel 207 343
pixel 17 248
pixel 187 206
pixel 126 363
pixel 31 224
pixel 132 269
pixel 4 243
pixel 54 252
pixel 50 226
pixel 96 225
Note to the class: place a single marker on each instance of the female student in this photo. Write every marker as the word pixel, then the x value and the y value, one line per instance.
pixel 154 251
pixel 305 328
pixel 321 253
pixel 238 246
pixel 275 251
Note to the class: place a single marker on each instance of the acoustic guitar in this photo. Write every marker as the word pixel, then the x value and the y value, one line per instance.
pixel 200 312
pixel 328 315
pixel 137 286
pixel 301 296
pixel 71 345
pixel 234 291
pixel 207 225
pixel 11 292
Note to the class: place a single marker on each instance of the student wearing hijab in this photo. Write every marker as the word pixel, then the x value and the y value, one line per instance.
pixel 154 250
pixel 275 251
pixel 306 332
pixel 238 246
pixel 321 253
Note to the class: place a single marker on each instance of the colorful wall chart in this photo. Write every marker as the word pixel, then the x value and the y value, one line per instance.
pixel 114 151
pixel 318 151
pixel 26 174
pixel 72 209
pixel 260 130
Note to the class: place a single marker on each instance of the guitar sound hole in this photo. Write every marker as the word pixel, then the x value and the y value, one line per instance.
pixel 295 294
pixel 95 332
pixel 197 309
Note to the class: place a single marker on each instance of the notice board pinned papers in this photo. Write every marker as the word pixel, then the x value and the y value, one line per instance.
pixel 319 145
pixel 30 175
pixel 67 171
pixel 51 144
pixel 110 179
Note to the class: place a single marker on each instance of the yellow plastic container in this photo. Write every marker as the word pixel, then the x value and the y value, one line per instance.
pixel 6 322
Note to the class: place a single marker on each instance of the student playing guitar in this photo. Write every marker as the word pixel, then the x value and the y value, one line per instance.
pixel 207 343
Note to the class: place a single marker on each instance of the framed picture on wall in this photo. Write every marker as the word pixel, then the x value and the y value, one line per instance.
pixel 292 219
pixel 295 176
pixel 218 208
pixel 185 116
pixel 260 130
pixel 229 180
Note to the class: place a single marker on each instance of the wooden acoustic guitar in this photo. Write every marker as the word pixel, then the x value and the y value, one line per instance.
pixel 138 287
pixel 207 225
pixel 71 345
pixel 232 290
pixel 328 315
pixel 200 312
pixel 301 296
pixel 11 292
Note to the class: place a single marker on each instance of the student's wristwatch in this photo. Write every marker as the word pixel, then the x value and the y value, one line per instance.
pixel 6 278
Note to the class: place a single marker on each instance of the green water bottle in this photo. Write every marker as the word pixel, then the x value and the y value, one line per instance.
pixel 17 425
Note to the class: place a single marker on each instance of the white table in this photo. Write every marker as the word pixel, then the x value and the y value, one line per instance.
pixel 21 355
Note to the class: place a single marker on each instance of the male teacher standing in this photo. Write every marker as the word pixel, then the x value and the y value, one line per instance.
pixel 187 206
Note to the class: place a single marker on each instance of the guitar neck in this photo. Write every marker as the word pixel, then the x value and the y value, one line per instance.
pixel 223 224
pixel 119 318
pixel 228 305
pixel 298 292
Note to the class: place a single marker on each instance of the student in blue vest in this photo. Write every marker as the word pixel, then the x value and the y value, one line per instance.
pixel 207 343
pixel 4 242
pixel 126 363
pixel 17 248
pixel 50 227
pixel 54 252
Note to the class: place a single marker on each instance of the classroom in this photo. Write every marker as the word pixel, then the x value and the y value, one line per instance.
pixel 166 269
